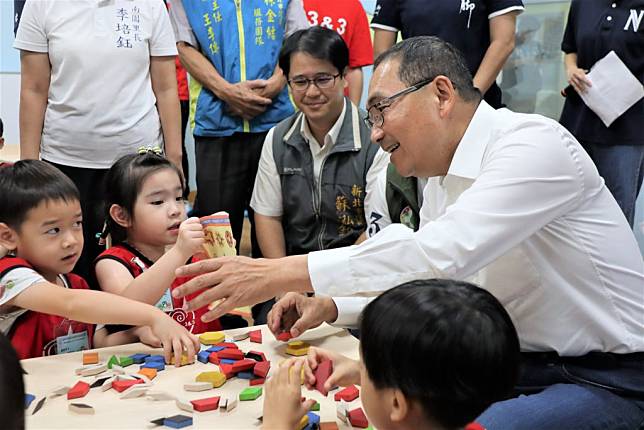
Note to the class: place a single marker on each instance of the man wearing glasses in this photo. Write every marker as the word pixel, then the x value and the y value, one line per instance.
pixel 513 203
pixel 318 166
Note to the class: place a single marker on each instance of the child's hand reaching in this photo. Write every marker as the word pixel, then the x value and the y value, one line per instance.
pixel 283 407
pixel 145 335
pixel 345 370
pixel 174 338
pixel 191 237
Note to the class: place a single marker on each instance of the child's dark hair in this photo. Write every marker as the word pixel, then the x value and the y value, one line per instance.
pixel 448 345
pixel 318 42
pixel 26 184
pixel 123 184
pixel 12 389
pixel 1 128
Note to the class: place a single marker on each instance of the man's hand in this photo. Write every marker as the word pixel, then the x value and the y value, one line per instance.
pixel 345 370
pixel 273 87
pixel 297 313
pixel 243 98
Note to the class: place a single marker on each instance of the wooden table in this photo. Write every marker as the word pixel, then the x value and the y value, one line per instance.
pixel 45 374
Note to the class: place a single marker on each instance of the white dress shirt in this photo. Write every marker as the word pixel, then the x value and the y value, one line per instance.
pixel 523 213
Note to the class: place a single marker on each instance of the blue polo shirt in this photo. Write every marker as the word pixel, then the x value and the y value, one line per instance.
pixel 594 29
pixel 465 24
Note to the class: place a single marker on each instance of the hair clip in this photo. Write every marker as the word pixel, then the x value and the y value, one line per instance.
pixel 150 149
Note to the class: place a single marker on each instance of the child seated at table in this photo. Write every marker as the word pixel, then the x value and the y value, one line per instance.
pixel 12 389
pixel 144 214
pixel 434 355
pixel 44 309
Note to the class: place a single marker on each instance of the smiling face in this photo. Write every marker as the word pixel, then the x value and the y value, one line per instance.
pixel 321 106
pixel 158 210
pixel 51 237
pixel 415 130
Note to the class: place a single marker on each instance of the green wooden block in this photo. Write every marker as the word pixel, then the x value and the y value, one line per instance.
pixel 112 361
pixel 126 361
pixel 316 406
pixel 250 393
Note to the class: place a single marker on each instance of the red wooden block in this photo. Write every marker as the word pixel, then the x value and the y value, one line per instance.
pixel 256 355
pixel 208 404
pixel 258 381
pixel 77 391
pixel 348 394
pixel 256 336
pixel 213 358
pixel 357 418
pixel 232 354
pixel 124 384
pixel 284 336
pixel 328 426
pixel 227 369
pixel 228 345
pixel 322 373
pixel 245 364
pixel 261 369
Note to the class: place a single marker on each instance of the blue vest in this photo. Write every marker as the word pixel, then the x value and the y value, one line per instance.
pixel 242 39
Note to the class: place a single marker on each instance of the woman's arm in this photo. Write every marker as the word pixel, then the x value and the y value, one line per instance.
pixel 502 29
pixel 354 78
pixel 383 40
pixel 576 76
pixel 35 75
pixel 164 86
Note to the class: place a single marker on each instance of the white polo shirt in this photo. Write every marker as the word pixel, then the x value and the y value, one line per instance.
pixel 100 104
pixel 523 213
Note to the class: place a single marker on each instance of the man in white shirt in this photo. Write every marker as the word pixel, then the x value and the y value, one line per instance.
pixel 512 203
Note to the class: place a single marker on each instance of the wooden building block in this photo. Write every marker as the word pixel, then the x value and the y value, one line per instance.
pixel 126 361
pixel 297 348
pixel 108 383
pixel 227 404
pixel 316 406
pixel 124 384
pixel 284 336
pixel 139 358
pixel 184 360
pixel 81 408
pixel 213 358
pixel 261 369
pixel 117 370
pixel 347 394
pixel 90 358
pixel 212 337
pixel 80 389
pixel 154 358
pixel 244 365
pixel 94 370
pixel 233 354
pixel 184 405
pixel 257 381
pixel 357 418
pixel 245 375
pixel 149 372
pixel 39 405
pixel 63 389
pixel 216 348
pixel 256 355
pixel 255 336
pixel 136 390
pixel 250 393
pixel 28 399
pixel 241 336
pixel 207 404
pixel 314 419
pixel 322 373
pixel 112 361
pixel 203 356
pixel 217 379
pixel 329 426
pixel 177 421
pixel 156 365
pixel 304 421
pixel 198 386
pixel 227 369
pixel 228 345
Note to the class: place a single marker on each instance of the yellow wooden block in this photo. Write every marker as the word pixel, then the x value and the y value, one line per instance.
pixel 297 348
pixel 149 372
pixel 212 337
pixel 217 379
pixel 303 422
pixel 184 360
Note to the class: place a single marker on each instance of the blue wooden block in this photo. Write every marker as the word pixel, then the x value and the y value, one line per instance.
pixel 139 358
pixel 313 418
pixel 246 375
pixel 28 399
pixel 156 358
pixel 227 361
pixel 159 366
pixel 203 356
pixel 216 348
pixel 177 421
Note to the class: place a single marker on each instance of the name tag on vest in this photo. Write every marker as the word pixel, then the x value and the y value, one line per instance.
pixel 291 170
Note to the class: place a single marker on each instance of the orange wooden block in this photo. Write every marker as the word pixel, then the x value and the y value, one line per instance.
pixel 328 426
pixel 90 358
pixel 149 372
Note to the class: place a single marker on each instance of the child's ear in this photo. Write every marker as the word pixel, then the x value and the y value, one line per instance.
pixel 8 237
pixel 120 216
pixel 399 407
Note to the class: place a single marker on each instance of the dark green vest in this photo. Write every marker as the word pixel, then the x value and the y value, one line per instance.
pixel 402 199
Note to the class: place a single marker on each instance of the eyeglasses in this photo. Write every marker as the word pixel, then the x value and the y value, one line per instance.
pixel 375 115
pixel 323 81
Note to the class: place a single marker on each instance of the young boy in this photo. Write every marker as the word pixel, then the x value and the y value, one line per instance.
pixel 434 355
pixel 43 308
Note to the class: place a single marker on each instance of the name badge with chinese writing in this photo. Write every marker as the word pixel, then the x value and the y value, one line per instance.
pixel 72 342
pixel 165 302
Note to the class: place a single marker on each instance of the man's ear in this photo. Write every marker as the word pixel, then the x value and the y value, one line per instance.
pixel 399 408
pixel 8 237
pixel 446 94
pixel 120 216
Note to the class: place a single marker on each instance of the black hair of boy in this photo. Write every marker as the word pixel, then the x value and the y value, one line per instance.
pixel 1 128
pixel 12 389
pixel 448 345
pixel 123 184
pixel 26 184
pixel 318 42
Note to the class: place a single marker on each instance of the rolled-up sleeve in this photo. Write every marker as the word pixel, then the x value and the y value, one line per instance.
pixel 180 24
